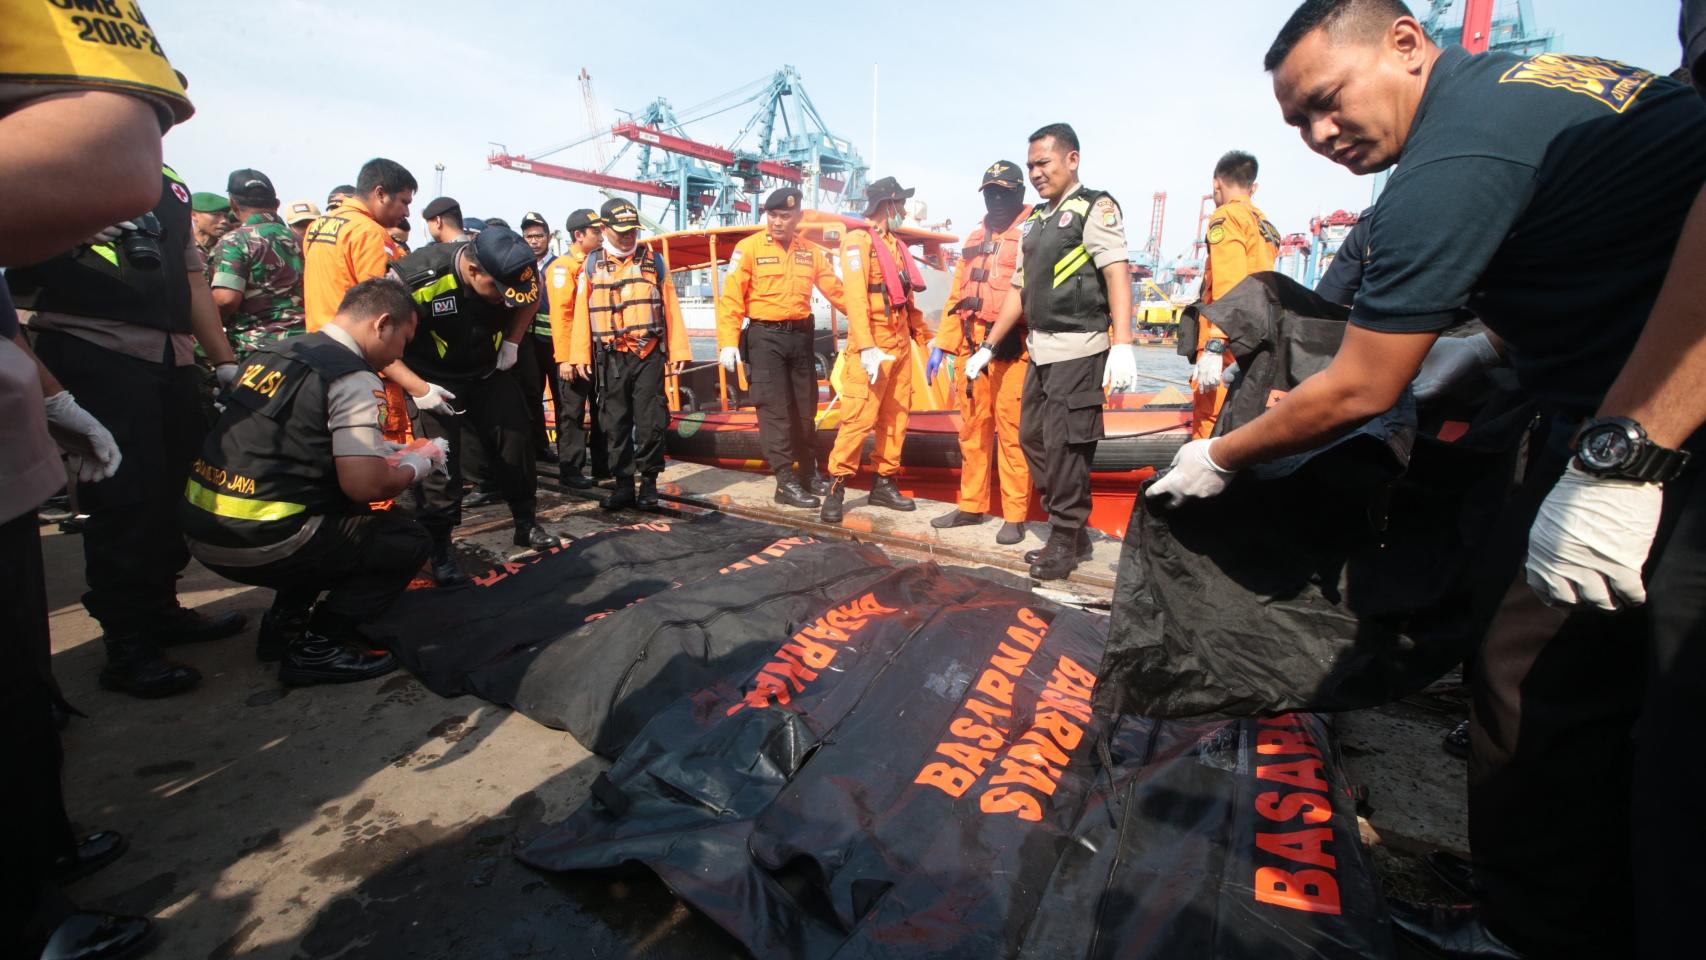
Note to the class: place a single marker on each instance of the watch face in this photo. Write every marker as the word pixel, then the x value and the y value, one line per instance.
pixel 1605 447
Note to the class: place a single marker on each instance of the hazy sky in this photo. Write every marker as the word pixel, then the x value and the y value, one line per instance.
pixel 306 90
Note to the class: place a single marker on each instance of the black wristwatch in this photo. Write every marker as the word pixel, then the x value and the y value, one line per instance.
pixel 1215 346
pixel 1618 448
pixel 986 345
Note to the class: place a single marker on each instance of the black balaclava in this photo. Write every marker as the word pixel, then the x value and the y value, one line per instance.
pixel 1003 206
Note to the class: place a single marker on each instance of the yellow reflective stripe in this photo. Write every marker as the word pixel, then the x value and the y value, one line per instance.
pixel 498 341
pixel 238 508
pixel 1070 264
pixel 442 285
pixel 172 174
pixel 438 341
pixel 107 252
pixel 1076 205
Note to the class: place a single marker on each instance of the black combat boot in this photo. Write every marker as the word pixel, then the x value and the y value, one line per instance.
pixel 135 666
pixel 956 518
pixel 789 493
pixel 333 650
pixel 579 481
pixel 647 499
pixel 622 495
pixel 885 494
pixel 831 512
pixel 815 480
pixel 1057 558
pixel 278 628
pixel 529 534
pixel 1083 547
pixel 446 572
pixel 192 626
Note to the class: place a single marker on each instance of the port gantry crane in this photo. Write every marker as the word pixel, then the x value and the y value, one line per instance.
pixel 706 185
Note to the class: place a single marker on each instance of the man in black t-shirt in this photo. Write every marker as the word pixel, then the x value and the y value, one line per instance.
pixel 1546 195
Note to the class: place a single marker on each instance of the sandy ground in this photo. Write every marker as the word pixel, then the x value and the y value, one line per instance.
pixel 380 820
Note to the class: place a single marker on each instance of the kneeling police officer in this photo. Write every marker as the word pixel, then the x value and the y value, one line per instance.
pixel 279 496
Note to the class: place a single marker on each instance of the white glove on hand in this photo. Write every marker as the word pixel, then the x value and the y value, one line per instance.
pixel 872 360
pixel 226 372
pixel 1452 360
pixel 109 234
pixel 729 357
pixel 435 397
pixel 507 353
pixel 1120 374
pixel 979 360
pixel 1591 539
pixel 1193 476
pixel 422 456
pixel 1210 371
pixel 65 416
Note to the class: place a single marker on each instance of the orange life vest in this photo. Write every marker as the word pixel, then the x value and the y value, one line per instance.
pixel 990 263
pixel 625 301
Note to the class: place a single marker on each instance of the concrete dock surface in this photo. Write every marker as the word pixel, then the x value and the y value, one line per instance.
pixel 380 820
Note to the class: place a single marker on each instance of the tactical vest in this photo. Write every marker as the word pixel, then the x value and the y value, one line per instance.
pixel 1063 292
pixel 267 465
pixel 458 333
pixel 540 325
pixel 990 263
pixel 99 281
pixel 626 299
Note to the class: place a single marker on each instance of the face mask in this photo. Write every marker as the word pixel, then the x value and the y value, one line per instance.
pixel 1003 205
pixel 896 218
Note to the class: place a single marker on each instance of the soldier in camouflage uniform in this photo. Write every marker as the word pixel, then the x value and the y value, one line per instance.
pixel 256 269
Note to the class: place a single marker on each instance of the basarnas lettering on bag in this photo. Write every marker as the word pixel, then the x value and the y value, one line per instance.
pixel 814 648
pixel 1316 889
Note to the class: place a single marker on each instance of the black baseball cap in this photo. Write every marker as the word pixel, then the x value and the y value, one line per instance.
pixel 473 225
pixel 439 207
pixel 530 218
pixel 1003 173
pixel 787 198
pixel 619 215
pixel 498 222
pixel 888 188
pixel 503 254
pixel 581 219
pixel 250 188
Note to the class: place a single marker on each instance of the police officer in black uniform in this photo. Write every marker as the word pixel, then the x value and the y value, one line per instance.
pixel 1075 296
pixel 280 495
pixel 474 301
pixel 114 321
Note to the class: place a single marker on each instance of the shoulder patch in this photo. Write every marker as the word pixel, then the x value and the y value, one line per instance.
pixel 1614 84
pixel 1216 233
pixel 1108 211
pixel 853 259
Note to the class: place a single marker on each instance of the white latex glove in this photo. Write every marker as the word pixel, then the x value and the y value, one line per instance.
pixel 1193 476
pixel 979 360
pixel 109 234
pixel 66 416
pixel 423 456
pixel 1591 539
pixel 872 359
pixel 435 397
pixel 1121 370
pixel 1210 371
pixel 507 353
pixel 729 357
pixel 226 372
pixel 1451 360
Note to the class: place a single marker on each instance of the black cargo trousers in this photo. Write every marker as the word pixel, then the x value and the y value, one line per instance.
pixel 1584 791
pixel 1060 421
pixel 783 373
pixel 494 418
pixel 632 410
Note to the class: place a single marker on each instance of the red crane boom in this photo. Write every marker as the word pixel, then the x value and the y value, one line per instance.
pixel 702 151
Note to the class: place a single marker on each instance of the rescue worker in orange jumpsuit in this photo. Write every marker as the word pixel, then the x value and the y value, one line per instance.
pixel 883 322
pixel 1241 241
pixel 576 445
pixel 989 408
pixel 770 280
pixel 627 329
